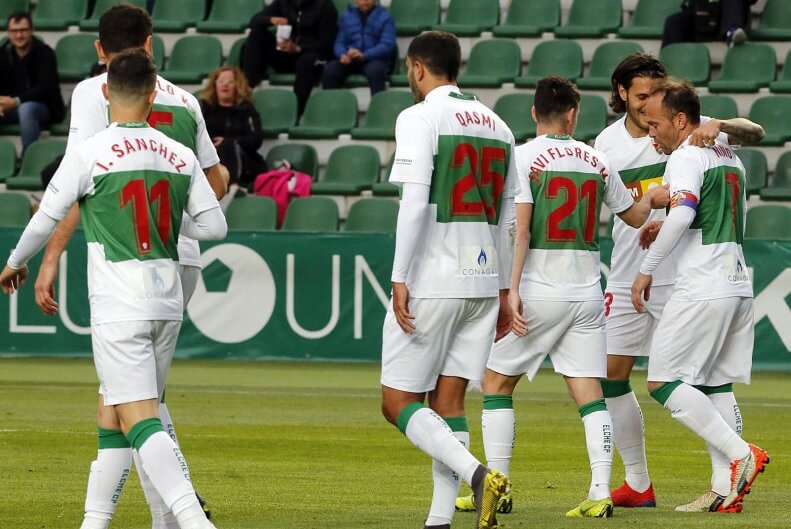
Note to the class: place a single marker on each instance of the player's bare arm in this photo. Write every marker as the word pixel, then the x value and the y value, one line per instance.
pixel 655 198
pixel 740 131
pixel 218 180
pixel 48 272
pixel 648 233
pixel 524 214
pixel 404 318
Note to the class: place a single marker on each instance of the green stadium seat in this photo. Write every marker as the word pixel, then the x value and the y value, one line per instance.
pixel 605 58
pixel 718 106
pixel 383 188
pixel 687 60
pixel 300 156
pixel 229 17
pixel 529 18
pixel 7 159
pixel 779 187
pixel 350 170
pixel 552 57
pixel 277 108
pixel 756 169
pixel 193 58
pixel 328 113
pixel 468 18
pixel 591 19
pixel 158 49
pixel 375 215
pixel 592 119
pixel 316 214
pixel 58 15
pixel 398 77
pixel 382 113
pixel 252 213
pixel 768 221
pixel 11 6
pixel 414 16
pixel 746 68
pixel 235 55
pixel 38 155
pixel 175 16
pixel 492 62
pixel 92 23
pixel 774 115
pixel 62 128
pixel 648 19
pixel 783 83
pixel 15 210
pixel 75 54
pixel 775 21
pixel 514 109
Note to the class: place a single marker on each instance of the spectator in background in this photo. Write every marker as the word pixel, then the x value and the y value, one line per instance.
pixel 709 19
pixel 29 84
pixel 233 123
pixel 366 43
pixel 301 43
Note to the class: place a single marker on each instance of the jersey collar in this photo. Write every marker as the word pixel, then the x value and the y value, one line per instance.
pixel 133 125
pixel 444 91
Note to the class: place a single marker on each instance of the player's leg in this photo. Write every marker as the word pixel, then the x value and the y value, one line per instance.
pixel 109 472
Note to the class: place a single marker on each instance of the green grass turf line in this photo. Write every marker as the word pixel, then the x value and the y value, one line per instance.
pixel 303 445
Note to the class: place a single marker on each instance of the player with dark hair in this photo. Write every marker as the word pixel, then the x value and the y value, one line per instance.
pixel 135 294
pixel 704 339
pixel 454 162
pixel 641 165
pixel 176 113
pixel 563 184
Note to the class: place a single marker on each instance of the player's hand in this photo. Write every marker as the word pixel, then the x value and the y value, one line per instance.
pixel 706 134
pixel 518 322
pixel 641 289
pixel 504 318
pixel 401 308
pixel 12 280
pixel 649 233
pixel 45 288
pixel 660 196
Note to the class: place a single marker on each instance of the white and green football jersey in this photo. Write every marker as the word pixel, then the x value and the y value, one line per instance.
pixel 464 152
pixel 134 184
pixel 176 113
pixel 568 182
pixel 709 256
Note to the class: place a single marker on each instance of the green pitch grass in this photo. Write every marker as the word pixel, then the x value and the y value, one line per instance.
pixel 301 445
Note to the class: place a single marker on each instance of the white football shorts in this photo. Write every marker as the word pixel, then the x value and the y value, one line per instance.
pixel 707 343
pixel 629 333
pixel 570 332
pixel 452 337
pixel 132 358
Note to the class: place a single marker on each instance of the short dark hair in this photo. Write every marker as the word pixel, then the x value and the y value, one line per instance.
pixel 18 16
pixel 555 95
pixel 439 51
pixel 132 74
pixel 679 96
pixel 124 26
pixel 634 65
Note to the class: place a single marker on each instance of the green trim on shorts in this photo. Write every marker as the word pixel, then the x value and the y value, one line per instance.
pixel 711 390
pixel 662 393
pixel 592 407
pixel 140 432
pixel 457 424
pixel 498 402
pixel 111 439
pixel 615 388
pixel 406 414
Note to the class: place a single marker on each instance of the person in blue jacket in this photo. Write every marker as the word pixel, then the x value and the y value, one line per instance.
pixel 366 43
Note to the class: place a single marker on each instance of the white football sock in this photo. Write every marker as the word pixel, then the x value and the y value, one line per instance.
pixel 167 422
pixel 720 464
pixel 446 488
pixel 695 411
pixel 109 473
pixel 499 436
pixel 629 438
pixel 164 464
pixel 161 516
pixel 598 438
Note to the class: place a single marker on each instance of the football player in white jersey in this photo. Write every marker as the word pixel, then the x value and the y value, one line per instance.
pixel 563 185
pixel 454 161
pixel 134 185
pixel 704 340
pixel 641 164
pixel 177 114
